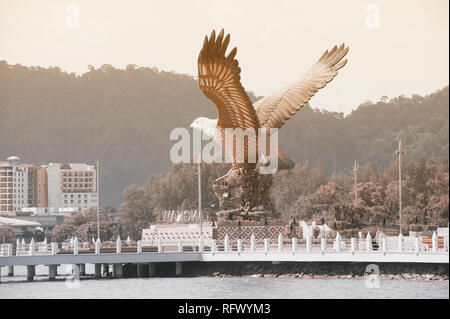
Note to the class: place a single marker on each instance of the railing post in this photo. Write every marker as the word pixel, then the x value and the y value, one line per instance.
pixel 160 247
pixel 239 245
pixel 200 245
pixel 32 247
pixel 308 242
pixel 280 242
pixel 434 242
pixel 266 245
pixel 368 242
pixel 294 244
pixel 214 246
pixel 252 243
pixel 400 243
pixel 75 246
pixel 416 245
pixel 139 246
pixel 98 245
pixel 226 243
pixel 383 243
pixel 353 245
pixel 360 240
pixel 54 248
pixel 118 245
pixel 180 246
pixel 338 242
pixel 10 250
pixel 323 244
pixel 17 247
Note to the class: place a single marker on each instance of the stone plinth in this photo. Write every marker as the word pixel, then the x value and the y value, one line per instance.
pixel 244 189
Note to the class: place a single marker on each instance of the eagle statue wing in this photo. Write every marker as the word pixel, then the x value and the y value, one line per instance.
pixel 219 79
pixel 274 110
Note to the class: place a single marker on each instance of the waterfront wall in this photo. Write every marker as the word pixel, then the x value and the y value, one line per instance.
pixel 412 271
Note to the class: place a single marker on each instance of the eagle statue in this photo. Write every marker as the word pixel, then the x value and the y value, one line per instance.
pixel 219 80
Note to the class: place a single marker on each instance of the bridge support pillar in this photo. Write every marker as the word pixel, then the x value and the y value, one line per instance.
pixel 105 269
pixel 98 271
pixel 52 271
pixel 76 272
pixel 178 268
pixel 10 271
pixel 82 269
pixel 31 270
pixel 151 270
pixel 118 271
pixel 139 270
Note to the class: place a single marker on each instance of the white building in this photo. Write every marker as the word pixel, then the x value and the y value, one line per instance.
pixel 72 185
pixel 49 211
pixel 13 186
pixel 171 234
pixel 18 226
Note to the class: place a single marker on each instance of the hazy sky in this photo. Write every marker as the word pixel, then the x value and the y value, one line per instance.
pixel 396 47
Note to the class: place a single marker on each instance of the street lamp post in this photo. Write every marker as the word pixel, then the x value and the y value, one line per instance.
pixel 98 199
pixel 239 228
pixel 265 226
pixel 334 162
pixel 399 153
pixel 355 169
pixel 200 197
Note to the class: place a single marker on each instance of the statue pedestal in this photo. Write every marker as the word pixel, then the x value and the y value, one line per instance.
pixel 245 192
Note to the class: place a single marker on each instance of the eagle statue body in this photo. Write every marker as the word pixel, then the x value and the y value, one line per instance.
pixel 219 80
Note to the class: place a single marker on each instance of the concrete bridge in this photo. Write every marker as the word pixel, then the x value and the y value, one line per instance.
pixel 145 255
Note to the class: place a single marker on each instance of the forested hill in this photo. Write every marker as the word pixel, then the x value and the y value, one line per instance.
pixel 123 118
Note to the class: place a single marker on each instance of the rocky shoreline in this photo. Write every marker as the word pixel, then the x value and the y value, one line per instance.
pixel 318 270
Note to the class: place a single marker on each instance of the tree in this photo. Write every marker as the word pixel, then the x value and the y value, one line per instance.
pixel 84 226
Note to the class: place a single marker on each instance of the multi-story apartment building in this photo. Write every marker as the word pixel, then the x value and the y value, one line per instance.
pixel 54 186
pixel 13 186
pixel 72 185
pixel 42 187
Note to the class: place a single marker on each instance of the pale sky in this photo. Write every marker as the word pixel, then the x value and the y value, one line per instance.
pixel 396 46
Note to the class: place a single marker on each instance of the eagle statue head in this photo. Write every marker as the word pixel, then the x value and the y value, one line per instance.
pixel 203 123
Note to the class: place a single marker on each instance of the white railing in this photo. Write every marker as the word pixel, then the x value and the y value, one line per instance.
pixel 382 244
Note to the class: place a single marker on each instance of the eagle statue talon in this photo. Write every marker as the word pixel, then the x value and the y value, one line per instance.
pixel 223 177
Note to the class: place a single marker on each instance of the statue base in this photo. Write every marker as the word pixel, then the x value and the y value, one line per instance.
pixel 246 193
